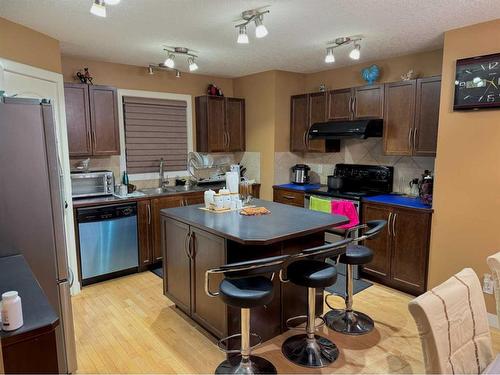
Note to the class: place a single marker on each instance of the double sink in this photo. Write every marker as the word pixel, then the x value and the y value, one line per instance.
pixel 170 190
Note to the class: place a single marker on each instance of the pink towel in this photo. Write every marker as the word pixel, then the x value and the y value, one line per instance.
pixel 346 208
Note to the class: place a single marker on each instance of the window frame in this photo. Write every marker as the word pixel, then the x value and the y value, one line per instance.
pixel 153 95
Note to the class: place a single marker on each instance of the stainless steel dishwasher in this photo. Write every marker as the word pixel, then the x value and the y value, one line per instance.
pixel 107 239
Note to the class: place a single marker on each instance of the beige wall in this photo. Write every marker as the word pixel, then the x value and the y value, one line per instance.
pixel 424 64
pixel 467 190
pixel 27 46
pixel 259 93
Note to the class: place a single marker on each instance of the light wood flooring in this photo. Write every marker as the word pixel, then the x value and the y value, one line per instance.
pixel 126 325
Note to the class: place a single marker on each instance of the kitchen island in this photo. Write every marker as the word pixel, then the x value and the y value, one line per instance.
pixel 194 240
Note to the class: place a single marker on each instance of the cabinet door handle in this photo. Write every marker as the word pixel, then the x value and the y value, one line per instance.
pixel 228 139
pixel 186 244
pixel 414 139
pixel 410 132
pixel 354 102
pixel 288 197
pixel 394 225
pixel 350 104
pixel 191 245
pixel 149 213
pixel 89 140
pixel 389 223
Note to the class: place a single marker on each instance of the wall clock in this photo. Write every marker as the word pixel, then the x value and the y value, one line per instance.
pixel 477 83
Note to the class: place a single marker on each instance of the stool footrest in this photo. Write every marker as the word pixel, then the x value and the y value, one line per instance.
pixel 234 351
pixel 295 318
pixel 332 295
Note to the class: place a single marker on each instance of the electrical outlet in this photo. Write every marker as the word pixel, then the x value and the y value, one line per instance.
pixel 487 284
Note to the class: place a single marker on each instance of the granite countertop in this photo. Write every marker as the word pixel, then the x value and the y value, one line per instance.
pixel 38 314
pixel 172 190
pixel 284 222
pixel 399 200
pixel 305 187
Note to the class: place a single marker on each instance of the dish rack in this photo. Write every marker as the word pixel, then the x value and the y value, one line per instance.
pixel 208 169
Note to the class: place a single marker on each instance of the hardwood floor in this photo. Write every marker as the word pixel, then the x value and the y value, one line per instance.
pixel 126 325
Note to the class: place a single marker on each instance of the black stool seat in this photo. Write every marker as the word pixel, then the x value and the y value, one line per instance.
pixel 357 254
pixel 312 273
pixel 246 292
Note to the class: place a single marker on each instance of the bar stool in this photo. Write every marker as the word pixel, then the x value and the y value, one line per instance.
pixel 310 270
pixel 349 321
pixel 245 286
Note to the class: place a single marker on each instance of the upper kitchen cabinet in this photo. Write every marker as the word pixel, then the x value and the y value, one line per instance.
pixel 305 110
pixel 220 124
pixel 92 120
pixel 357 103
pixel 411 117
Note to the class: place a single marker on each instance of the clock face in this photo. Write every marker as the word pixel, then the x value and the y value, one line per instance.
pixel 477 82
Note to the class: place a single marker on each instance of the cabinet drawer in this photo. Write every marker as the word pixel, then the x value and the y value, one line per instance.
pixel 293 198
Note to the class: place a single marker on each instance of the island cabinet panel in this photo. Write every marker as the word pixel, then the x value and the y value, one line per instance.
pixel 401 251
pixel 380 266
pixel 144 230
pixel 158 204
pixel 177 266
pixel 207 251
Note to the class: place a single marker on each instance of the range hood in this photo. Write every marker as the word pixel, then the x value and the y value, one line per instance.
pixel 346 129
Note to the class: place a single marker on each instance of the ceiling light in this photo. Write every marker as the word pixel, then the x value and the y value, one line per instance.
pixel 260 29
pixel 169 62
pixel 177 74
pixel 192 65
pixel 329 58
pixel 111 2
pixel 242 35
pixel 98 8
pixel 150 70
pixel 355 53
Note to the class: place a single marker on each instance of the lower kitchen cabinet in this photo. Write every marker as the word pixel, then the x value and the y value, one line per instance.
pixel 190 252
pixel 401 250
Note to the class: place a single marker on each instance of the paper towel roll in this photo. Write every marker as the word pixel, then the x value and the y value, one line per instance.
pixel 232 181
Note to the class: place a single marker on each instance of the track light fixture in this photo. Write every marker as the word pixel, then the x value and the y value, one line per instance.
pixel 98 7
pixel 169 63
pixel 355 53
pixel 248 16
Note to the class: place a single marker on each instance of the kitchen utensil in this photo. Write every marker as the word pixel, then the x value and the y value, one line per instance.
pixel 300 174
pixel 335 182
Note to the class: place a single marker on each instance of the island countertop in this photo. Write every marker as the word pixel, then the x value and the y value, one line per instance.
pixel 284 222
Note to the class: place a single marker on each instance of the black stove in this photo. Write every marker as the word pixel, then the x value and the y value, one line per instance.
pixel 360 180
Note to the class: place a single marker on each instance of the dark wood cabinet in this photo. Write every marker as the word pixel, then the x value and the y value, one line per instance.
pixel 305 110
pixel 356 103
pixel 288 196
pixel 144 230
pixel 207 251
pixel 76 99
pixel 190 252
pixel 411 117
pixel 426 116
pixel 92 120
pixel 177 264
pixel 220 124
pixel 104 120
pixel 401 251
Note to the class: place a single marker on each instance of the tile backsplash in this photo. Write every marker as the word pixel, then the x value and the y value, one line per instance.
pixel 353 151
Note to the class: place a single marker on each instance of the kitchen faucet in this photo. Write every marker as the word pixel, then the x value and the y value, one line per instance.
pixel 162 177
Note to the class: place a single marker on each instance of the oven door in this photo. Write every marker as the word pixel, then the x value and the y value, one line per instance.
pixel 88 185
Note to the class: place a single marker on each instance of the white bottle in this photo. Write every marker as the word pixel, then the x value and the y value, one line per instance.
pixel 12 311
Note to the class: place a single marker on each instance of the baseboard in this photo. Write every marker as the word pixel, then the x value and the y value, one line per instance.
pixel 493 321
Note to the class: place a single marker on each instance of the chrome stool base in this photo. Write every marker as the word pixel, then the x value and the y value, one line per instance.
pixel 307 352
pixel 256 365
pixel 349 322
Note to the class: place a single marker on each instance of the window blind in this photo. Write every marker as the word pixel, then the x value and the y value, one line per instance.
pixel 155 129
